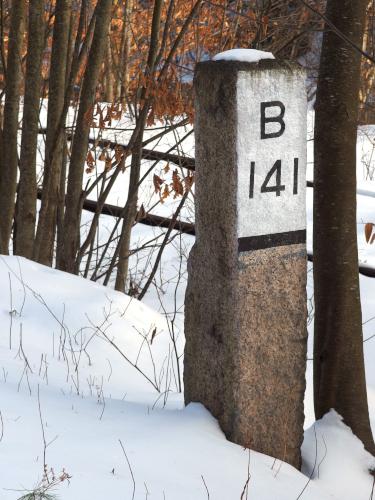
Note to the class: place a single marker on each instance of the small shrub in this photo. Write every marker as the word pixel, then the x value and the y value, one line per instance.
pixel 44 489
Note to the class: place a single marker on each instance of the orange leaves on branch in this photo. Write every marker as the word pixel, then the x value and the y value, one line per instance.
pixel 103 116
pixel 177 186
pixel 98 110
pixel 251 15
pixel 169 97
pixel 116 111
pixel 151 118
pixel 108 163
pixel 217 25
pixel 90 160
pixel 141 214
pixel 157 183
pixel 265 21
pixel 102 156
pixel 165 193
pixel 305 15
pixel 119 154
pixel 189 181
pixel 110 159
pixel 106 157
pixel 369 232
pixel 101 121
pixel 88 117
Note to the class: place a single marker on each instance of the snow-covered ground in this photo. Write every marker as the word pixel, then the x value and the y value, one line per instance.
pixel 89 383
pixel 94 371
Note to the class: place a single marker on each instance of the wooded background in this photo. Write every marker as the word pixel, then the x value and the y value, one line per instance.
pixel 96 68
pixel 138 58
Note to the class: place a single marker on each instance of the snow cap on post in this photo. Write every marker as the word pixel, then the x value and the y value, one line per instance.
pixel 243 55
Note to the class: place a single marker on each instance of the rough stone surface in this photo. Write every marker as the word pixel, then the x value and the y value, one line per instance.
pixel 245 313
pixel 210 296
pixel 270 351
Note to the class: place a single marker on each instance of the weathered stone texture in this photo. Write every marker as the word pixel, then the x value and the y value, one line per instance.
pixel 245 314
pixel 270 351
pixel 210 295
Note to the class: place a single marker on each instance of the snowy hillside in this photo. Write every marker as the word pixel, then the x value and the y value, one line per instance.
pixel 116 425
pixel 95 376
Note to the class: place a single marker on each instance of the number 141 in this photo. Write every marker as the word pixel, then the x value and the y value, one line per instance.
pixel 275 172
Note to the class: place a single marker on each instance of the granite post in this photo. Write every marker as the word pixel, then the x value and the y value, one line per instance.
pixel 245 307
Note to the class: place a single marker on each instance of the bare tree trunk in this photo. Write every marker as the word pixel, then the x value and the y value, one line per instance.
pixel 163 245
pixel 108 73
pixel 72 57
pixel 9 154
pixel 124 53
pixel 27 189
pixel 73 207
pixel 131 204
pixel 45 235
pixel 367 68
pixel 2 42
pixel 129 216
pixel 61 205
pixel 339 373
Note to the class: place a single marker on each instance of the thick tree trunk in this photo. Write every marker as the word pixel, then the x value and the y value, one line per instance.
pixel 339 373
pixel 9 154
pixel 27 189
pixel 45 236
pixel 73 207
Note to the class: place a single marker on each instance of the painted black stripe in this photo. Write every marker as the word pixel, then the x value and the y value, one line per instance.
pixel 271 240
pixel 251 185
pixel 295 176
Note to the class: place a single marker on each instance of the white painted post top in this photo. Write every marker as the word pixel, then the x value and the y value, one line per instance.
pixel 271 156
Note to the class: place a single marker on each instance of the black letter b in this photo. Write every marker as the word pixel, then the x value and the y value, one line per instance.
pixel 270 119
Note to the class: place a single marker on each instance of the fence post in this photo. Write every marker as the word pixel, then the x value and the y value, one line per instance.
pixel 245 307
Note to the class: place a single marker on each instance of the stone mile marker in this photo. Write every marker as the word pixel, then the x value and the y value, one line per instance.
pixel 245 306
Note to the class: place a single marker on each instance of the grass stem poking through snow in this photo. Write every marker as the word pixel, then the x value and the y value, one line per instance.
pixel 130 468
pixel 313 469
pixel 205 485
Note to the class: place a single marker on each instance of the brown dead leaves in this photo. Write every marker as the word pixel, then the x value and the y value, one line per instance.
pixel 177 186
pixel 369 232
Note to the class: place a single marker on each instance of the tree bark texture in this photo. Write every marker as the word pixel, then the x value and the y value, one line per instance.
pixel 45 236
pixel 339 372
pixel 73 206
pixel 109 80
pixel 124 53
pixel 9 153
pixel 27 189
pixel 129 218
